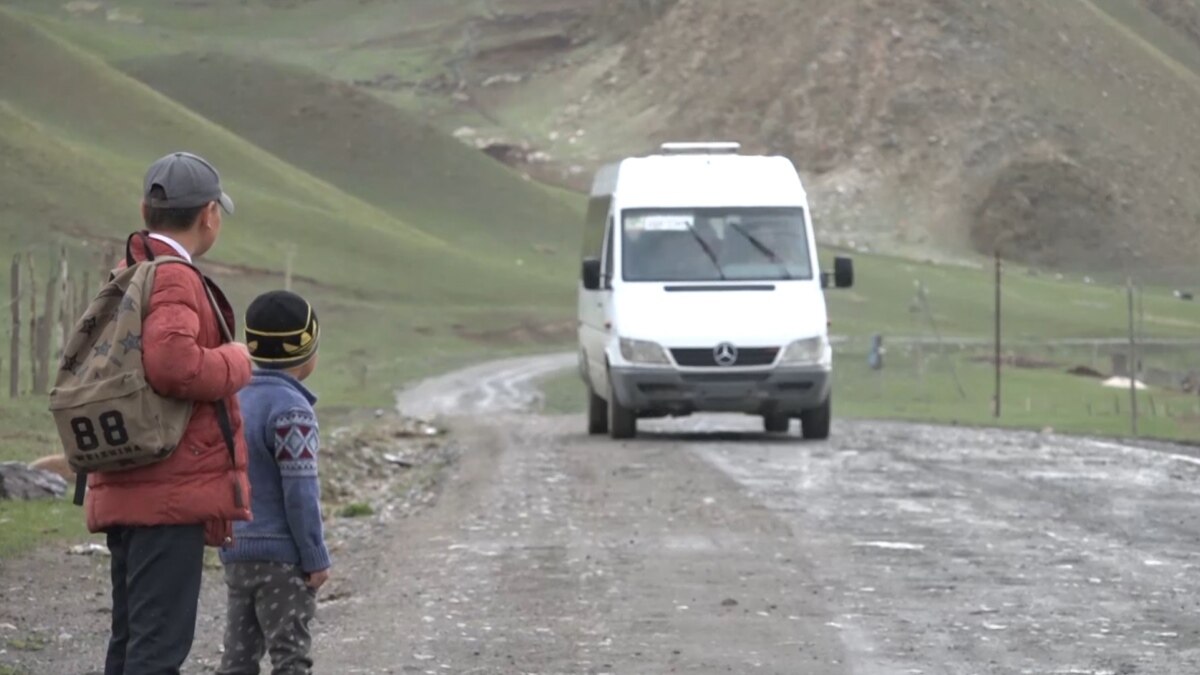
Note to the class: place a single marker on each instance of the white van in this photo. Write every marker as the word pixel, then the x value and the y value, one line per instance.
pixel 701 292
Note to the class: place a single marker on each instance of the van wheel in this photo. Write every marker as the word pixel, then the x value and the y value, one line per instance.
pixel 622 422
pixel 776 423
pixel 815 423
pixel 597 413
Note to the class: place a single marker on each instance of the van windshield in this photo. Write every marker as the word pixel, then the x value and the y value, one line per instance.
pixel 728 244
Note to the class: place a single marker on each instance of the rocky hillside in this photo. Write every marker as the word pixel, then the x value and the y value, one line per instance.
pixel 1058 131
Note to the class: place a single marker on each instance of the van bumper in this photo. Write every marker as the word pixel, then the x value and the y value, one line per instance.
pixel 668 391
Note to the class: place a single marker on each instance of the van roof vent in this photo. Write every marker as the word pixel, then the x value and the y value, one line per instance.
pixel 721 148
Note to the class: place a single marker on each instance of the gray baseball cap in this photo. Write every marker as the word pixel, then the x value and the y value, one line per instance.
pixel 188 181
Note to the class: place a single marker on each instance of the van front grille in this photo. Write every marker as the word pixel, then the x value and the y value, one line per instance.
pixel 707 358
pixel 726 379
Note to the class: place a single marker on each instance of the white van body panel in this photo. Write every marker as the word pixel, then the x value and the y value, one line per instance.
pixel 692 319
pixel 708 181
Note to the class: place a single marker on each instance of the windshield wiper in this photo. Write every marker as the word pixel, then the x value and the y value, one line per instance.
pixel 708 251
pixel 767 252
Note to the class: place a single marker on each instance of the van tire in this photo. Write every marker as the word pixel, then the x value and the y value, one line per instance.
pixel 622 422
pixel 597 413
pixel 776 423
pixel 815 424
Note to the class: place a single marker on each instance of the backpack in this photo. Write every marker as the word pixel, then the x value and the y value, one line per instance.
pixel 108 417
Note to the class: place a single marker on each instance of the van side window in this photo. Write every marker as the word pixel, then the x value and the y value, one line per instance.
pixel 609 250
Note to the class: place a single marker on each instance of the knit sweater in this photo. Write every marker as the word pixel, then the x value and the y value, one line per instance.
pixel 283 441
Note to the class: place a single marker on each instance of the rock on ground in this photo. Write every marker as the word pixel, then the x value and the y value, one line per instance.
pixel 18 481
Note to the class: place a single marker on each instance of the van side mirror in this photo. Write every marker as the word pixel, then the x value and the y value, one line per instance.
pixel 591 274
pixel 843 272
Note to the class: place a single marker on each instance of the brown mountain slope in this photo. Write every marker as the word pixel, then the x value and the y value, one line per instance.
pixel 1059 131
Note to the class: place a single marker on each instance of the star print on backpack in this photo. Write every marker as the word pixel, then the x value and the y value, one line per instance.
pixel 108 416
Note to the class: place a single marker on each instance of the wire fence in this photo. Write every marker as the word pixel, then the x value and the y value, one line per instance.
pixel 1043 350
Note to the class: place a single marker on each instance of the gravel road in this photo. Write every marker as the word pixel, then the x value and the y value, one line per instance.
pixel 706 547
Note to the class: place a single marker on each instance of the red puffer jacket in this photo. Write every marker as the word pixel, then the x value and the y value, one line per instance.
pixel 184 358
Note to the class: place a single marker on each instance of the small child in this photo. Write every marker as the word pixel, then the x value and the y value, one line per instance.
pixel 279 559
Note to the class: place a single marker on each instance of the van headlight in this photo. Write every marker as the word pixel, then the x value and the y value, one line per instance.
pixel 642 351
pixel 806 352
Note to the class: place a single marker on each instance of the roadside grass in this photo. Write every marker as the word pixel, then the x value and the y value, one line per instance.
pixel 563 394
pixel 26 433
pixel 35 643
pixel 927 390
pixel 1035 306
pixel 27 525
pixel 356 510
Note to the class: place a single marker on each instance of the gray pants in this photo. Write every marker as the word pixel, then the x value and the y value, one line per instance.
pixel 270 607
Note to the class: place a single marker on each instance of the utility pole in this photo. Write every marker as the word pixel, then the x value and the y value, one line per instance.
pixel 1141 312
pixel 996 395
pixel 1133 420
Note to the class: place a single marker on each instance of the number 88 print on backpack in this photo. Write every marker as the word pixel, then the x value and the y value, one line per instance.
pixel 108 416
pixel 113 423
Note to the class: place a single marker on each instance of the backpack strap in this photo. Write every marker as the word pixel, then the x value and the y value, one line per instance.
pixel 222 410
pixel 130 261
pixel 227 431
pixel 80 487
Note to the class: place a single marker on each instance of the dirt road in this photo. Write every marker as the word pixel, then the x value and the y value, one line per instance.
pixel 892 549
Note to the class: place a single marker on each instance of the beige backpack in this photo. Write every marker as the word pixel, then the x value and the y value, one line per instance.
pixel 108 416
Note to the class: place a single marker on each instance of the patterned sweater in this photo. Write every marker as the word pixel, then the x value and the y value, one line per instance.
pixel 283 441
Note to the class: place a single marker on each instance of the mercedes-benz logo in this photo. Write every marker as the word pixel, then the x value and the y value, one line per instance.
pixel 725 354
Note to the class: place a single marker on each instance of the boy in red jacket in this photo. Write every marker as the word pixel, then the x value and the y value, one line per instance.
pixel 159 518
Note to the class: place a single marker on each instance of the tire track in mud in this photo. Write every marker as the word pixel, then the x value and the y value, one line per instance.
pixel 495 387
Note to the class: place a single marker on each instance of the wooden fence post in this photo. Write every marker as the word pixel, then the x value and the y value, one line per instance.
pixel 47 327
pixel 33 322
pixel 85 294
pixel 14 347
pixel 66 310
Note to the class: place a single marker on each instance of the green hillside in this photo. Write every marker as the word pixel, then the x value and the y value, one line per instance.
pixel 411 243
pixel 371 150
pixel 83 109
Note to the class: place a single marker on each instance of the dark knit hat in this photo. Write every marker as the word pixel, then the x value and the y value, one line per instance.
pixel 281 330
